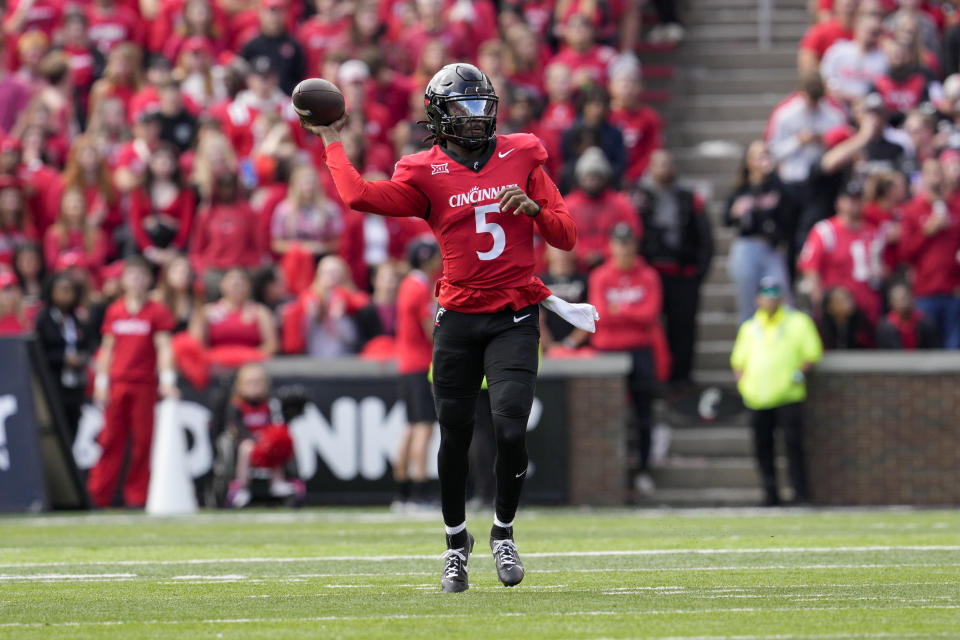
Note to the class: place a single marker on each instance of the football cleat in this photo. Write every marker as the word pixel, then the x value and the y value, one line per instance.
pixel 455 569
pixel 507 560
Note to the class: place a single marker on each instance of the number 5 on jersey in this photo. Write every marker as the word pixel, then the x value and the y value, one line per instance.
pixel 499 237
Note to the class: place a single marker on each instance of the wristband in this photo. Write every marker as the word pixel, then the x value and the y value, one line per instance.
pixel 101 382
pixel 168 378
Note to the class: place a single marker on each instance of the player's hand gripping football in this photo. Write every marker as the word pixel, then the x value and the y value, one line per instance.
pixel 328 133
pixel 513 198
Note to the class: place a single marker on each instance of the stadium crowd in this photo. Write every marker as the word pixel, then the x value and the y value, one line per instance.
pixel 853 194
pixel 157 137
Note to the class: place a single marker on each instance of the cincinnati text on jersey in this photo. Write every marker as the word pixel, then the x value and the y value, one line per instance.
pixel 477 194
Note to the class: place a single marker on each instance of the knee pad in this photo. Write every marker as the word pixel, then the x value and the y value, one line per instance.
pixel 510 404
pixel 456 413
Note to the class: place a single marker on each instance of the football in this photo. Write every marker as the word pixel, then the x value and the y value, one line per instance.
pixel 318 101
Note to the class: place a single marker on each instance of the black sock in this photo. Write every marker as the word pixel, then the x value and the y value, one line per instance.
pixel 457 540
pixel 403 490
pixel 501 533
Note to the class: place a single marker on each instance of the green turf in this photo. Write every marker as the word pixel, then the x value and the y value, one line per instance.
pixel 369 574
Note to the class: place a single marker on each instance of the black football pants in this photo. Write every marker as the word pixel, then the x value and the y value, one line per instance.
pixel 466 346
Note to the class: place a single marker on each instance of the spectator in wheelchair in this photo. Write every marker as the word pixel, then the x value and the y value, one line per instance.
pixel 263 446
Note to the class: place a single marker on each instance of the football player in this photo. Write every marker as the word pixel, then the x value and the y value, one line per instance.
pixel 483 195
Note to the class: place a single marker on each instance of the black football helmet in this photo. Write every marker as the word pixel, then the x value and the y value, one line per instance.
pixel 457 96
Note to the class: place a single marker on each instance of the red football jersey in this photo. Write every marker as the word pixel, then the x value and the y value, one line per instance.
pixel 134 354
pixel 488 257
pixel 846 257
pixel 414 306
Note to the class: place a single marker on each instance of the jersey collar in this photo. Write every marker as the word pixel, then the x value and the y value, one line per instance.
pixel 477 164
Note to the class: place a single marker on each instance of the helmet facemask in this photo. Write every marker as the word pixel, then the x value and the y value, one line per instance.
pixel 459 117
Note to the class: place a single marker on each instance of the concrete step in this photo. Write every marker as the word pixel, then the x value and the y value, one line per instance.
pixel 692 161
pixel 713 354
pixel 743 15
pixel 717 325
pixel 711 442
pixel 733 56
pixel 781 34
pixel 681 472
pixel 718 109
pixel 714 377
pixel 726 4
pixel 743 127
pixel 718 273
pixel 718 297
pixel 706 497
pixel 705 82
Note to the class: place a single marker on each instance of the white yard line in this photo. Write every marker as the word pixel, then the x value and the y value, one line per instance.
pixel 484 614
pixel 550 554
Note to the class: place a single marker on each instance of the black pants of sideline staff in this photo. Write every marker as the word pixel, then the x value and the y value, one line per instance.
pixel 790 418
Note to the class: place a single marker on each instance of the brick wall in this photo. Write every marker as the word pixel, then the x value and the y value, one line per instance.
pixel 884 428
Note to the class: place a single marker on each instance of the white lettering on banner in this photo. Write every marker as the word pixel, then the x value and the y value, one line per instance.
pixel 8 407
pixel 379 435
pixel 193 417
pixel 476 195
pixel 336 445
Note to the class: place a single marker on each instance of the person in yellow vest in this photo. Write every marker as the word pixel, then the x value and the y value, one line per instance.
pixel 774 351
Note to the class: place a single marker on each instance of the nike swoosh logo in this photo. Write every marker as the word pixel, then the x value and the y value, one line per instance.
pixel 521 474
pixel 506 153
pixel 516 319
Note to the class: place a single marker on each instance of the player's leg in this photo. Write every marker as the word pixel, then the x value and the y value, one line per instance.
pixel 238 495
pixel 421 433
pixel 641 383
pixel 105 474
pixel 510 362
pixel 457 372
pixel 143 403
pixel 401 461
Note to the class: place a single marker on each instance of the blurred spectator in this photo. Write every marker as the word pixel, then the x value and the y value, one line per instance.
pixel 270 288
pixel 136 345
pixel 175 291
pixel 850 66
pixel 921 127
pixel 568 283
pixel 931 247
pixel 558 114
pixel 588 61
pixel 353 81
pixel 63 339
pixel 320 322
pixel 262 439
pixel 906 84
pixel 201 82
pixel 73 238
pixel 215 157
pixel 15 226
pixel 31 271
pixel 593 129
pixel 85 60
pixel 928 30
pixel 235 328
pixel 16 96
pixel 40 15
pixel 158 71
pixel 121 78
pixel 597 208
pixel 678 243
pixel 113 25
pixel 15 318
pixel 32 46
pixel 668 28
pixel 262 97
pixel 226 235
pixel 131 159
pixel 641 125
pixel 774 351
pixel 416 309
pixel 842 325
pixel 161 212
pixel 379 317
pixel 88 170
pixel 627 294
pixel 274 42
pixel 821 35
pixel 844 251
pixel 905 327
pixel 306 219
pixel 177 125
pixel 197 25
pixel 322 31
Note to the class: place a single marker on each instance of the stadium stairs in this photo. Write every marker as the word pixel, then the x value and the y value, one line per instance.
pixel 715 92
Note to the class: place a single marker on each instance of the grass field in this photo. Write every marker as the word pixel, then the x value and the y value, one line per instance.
pixel 590 574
